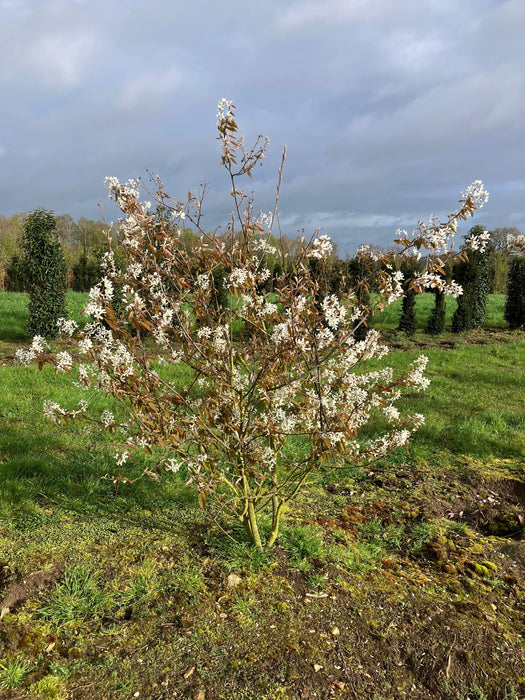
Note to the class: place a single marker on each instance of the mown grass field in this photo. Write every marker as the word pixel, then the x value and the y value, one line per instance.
pixel 402 581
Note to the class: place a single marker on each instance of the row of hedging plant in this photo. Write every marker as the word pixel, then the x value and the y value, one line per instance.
pixel 471 272
pixel 299 375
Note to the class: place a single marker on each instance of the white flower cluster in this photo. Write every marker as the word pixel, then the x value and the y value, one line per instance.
pixel 37 347
pixel 334 311
pixel 516 242
pixel 203 281
pixel 107 418
pixel 52 410
pixel 365 250
pixel 98 295
pixel 387 443
pixel 239 276
pixel 122 194
pixel 266 220
pixel 64 361
pixel 263 246
pixel 430 280
pixel 67 326
pixel 135 270
pixel 478 242
pixel 321 248
pixel 121 458
pixel 280 334
pixel 218 336
pixel 173 464
pixel 224 111
pixel 394 287
pixel 477 194
pixel 416 378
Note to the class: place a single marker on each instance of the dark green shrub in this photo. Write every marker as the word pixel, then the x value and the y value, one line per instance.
pixel 17 275
pixel 45 264
pixel 408 321
pixel 358 279
pixel 474 276
pixel 436 320
pixel 86 274
pixel 219 298
pixel 515 304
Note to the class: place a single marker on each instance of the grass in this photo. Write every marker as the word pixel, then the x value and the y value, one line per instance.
pixel 389 318
pixel 387 578
pixel 14 313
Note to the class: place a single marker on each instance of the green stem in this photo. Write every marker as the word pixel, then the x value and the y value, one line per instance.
pixel 251 527
pixel 277 509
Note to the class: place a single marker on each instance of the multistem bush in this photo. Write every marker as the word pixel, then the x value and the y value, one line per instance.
pixel 266 370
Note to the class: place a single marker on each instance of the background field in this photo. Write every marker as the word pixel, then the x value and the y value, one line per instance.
pixel 402 580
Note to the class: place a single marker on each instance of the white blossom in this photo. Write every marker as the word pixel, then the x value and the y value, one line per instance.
pixel 224 111
pixel 64 361
pixel 37 347
pixel 52 409
pixel 107 418
pixel 280 333
pixel 478 242
pixel 334 311
pixel 322 247
pixel 173 465
pixel 121 458
pixel 477 193
pixel 204 332
pixel 67 326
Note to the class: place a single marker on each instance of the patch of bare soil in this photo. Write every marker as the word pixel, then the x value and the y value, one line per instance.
pixel 24 589
pixel 496 508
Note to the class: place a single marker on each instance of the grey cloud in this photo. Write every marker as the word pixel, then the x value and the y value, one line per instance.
pixel 388 109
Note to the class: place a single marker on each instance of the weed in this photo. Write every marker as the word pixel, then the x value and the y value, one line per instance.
pixel 358 558
pixel 474 693
pixel 48 688
pixel 244 603
pixel 303 543
pixel 13 673
pixel 317 581
pixel 420 534
pixel 76 596
pixel 186 579
pixel 458 527
pixel 240 554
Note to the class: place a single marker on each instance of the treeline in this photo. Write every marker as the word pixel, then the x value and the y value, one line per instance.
pixel 495 270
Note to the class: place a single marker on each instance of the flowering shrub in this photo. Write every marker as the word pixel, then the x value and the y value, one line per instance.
pixel 264 368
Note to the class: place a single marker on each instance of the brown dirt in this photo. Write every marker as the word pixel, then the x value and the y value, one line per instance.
pixel 26 588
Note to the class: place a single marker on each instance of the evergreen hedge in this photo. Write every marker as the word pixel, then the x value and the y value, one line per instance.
pixel 474 275
pixel 436 320
pixel 515 303
pixel 45 264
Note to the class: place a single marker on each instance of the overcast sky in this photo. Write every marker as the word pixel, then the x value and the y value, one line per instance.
pixel 389 108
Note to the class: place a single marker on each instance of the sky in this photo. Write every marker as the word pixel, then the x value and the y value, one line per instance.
pixel 389 109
